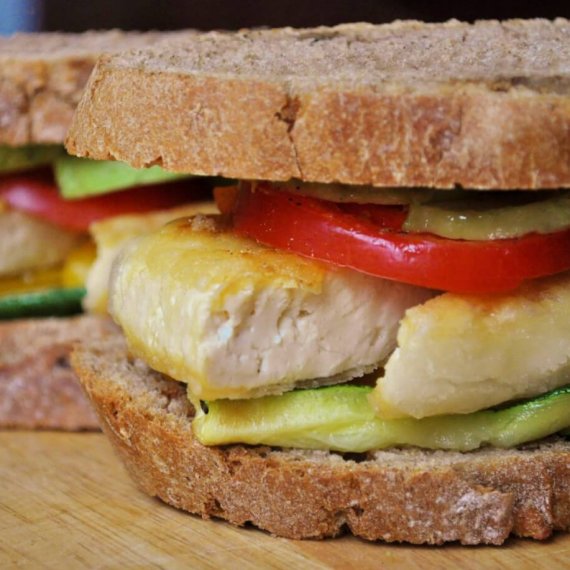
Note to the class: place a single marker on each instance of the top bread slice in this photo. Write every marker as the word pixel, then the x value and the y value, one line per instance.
pixel 43 75
pixel 484 105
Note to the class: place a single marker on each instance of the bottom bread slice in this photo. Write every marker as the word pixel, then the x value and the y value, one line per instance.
pixel 407 495
pixel 38 387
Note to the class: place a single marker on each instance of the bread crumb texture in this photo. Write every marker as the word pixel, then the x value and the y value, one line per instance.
pixel 42 77
pixel 481 105
pixel 407 495
pixel 38 388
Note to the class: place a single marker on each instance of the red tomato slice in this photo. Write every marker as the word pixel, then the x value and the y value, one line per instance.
pixel 324 231
pixel 37 195
pixel 383 217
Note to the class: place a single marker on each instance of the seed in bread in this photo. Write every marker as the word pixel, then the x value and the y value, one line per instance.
pixel 231 317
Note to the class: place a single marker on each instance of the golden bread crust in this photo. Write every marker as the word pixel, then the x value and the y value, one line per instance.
pixel 43 75
pixel 406 104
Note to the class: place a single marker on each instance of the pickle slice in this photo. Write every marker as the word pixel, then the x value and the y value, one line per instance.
pixel 339 418
pixel 49 302
pixel 491 216
pixel 364 194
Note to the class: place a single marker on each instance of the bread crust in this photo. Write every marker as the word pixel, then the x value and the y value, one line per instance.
pixel 263 105
pixel 38 388
pixel 43 75
pixel 397 495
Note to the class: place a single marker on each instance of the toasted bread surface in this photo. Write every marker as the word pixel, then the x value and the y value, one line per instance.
pixel 38 388
pixel 482 105
pixel 42 77
pixel 395 495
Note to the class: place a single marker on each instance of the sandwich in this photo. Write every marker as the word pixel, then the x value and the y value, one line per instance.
pixel 373 335
pixel 48 201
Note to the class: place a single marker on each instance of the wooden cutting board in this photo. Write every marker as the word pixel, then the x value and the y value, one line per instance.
pixel 66 502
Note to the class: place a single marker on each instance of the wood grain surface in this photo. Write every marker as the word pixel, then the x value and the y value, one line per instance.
pixel 66 502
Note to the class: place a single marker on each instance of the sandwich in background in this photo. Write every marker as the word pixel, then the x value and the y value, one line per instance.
pixel 48 200
pixel 373 337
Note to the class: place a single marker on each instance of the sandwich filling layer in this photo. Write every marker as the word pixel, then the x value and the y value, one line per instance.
pixel 238 320
pixel 340 418
pixel 111 235
pixel 47 202
pixel 458 353
pixel 28 243
pixel 234 319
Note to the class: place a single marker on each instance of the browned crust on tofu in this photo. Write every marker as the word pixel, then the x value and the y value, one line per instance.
pixel 410 495
pixel 38 388
pixel 482 106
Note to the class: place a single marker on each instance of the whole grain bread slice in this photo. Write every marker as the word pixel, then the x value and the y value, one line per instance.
pixel 38 388
pixel 42 76
pixel 484 105
pixel 396 495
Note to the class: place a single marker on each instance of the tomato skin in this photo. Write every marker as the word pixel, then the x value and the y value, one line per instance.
pixel 37 195
pixel 225 198
pixel 322 230
pixel 383 217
